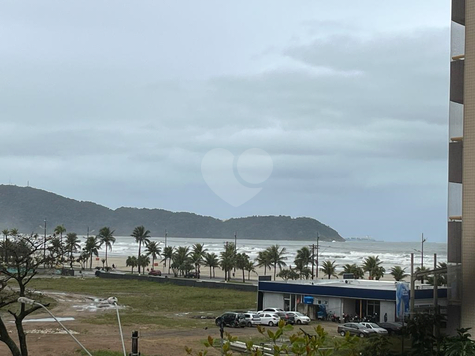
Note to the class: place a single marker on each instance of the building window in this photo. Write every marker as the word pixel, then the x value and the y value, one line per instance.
pixel 372 307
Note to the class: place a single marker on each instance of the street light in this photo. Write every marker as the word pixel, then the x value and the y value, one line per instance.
pixel 422 250
pixel 113 301
pixel 29 301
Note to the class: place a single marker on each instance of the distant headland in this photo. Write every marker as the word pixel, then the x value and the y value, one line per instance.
pixel 26 208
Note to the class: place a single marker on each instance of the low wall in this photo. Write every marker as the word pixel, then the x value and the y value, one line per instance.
pixel 188 282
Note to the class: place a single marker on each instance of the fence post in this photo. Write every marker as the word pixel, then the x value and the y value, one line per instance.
pixel 135 344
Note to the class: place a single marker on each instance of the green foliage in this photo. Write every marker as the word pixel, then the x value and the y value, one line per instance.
pixel 372 265
pixel 377 346
pixel 329 269
pixel 398 273
pixel 460 345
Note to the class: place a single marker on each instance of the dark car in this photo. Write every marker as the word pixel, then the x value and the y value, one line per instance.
pixel 155 272
pixel 231 319
pixel 288 318
pixel 191 275
pixel 392 328
pixel 355 329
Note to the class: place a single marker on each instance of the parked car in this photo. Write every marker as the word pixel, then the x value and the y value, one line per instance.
pixel 392 328
pixel 269 318
pixel 155 272
pixel 299 317
pixel 252 319
pixel 231 319
pixel 355 329
pixel 272 310
pixel 375 327
pixel 285 316
pixel 191 275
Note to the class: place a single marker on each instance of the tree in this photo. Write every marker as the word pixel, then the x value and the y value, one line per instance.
pixel 242 261
pixel 181 260
pixel 143 261
pixel 372 265
pixel 421 269
pixel 329 269
pixel 303 258
pixel 167 255
pixel 228 260
pixel 197 256
pixel 276 257
pixel 141 237
pixel 72 245
pixel 287 274
pixel 25 256
pixel 441 278
pixel 211 260
pixel 398 273
pixel 263 260
pixel 106 237
pixel 56 249
pixel 250 267
pixel 357 271
pixel 91 247
pixel 131 262
pixel 60 230
pixel 153 250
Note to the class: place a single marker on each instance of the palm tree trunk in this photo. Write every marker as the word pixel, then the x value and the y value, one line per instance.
pixel 243 276
pixel 210 275
pixel 107 265
pixel 138 257
pixel 274 270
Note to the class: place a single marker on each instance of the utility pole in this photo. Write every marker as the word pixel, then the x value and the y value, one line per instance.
pixel 413 288
pixel 422 250
pixel 318 240
pixel 313 259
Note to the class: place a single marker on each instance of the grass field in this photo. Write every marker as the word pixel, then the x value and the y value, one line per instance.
pixel 152 303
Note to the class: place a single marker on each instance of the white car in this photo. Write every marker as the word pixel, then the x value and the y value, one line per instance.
pixel 271 310
pixel 268 318
pixel 375 327
pixel 252 318
pixel 299 317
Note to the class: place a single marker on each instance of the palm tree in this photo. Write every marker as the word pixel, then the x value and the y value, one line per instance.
pixel 60 230
pixel 228 260
pixel 181 260
pixel 276 257
pixel 141 237
pixel 167 255
pixel 329 269
pixel 72 244
pixel 242 260
pixel 131 262
pixel 211 260
pixel 197 257
pixel 263 260
pixel 250 267
pixel 287 274
pixel 372 265
pixel 398 273
pixel 304 257
pixel 421 269
pixel 143 261
pixel 441 278
pixel 106 237
pixel 154 250
pixel 14 232
pixel 357 271
pixel 56 249
pixel 91 247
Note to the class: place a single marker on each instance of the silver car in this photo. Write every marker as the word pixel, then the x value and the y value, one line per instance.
pixel 375 327
pixel 299 317
pixel 252 319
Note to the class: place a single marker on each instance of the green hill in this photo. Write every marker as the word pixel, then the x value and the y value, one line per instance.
pixel 25 208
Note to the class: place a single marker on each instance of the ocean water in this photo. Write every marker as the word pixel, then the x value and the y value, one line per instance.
pixel 390 253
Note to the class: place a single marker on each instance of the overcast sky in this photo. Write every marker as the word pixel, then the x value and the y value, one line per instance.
pixel 124 102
